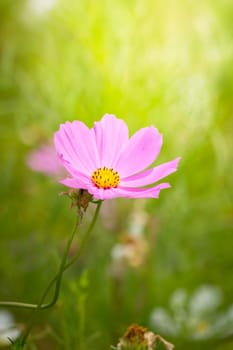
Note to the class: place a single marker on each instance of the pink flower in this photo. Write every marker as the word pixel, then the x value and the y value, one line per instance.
pixel 45 160
pixel 107 163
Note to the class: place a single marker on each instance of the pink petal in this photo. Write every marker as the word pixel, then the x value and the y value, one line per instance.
pixel 152 192
pixel 151 176
pixel 75 144
pixel 100 193
pixel 141 150
pixel 75 173
pixel 128 192
pixel 111 136
pixel 75 183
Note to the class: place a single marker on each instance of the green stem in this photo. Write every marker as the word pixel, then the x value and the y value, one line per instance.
pixel 67 265
pixel 63 267
pixel 57 288
pixel 57 279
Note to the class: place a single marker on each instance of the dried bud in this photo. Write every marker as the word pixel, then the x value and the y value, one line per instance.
pixel 135 335
pixel 80 199
pixel 139 338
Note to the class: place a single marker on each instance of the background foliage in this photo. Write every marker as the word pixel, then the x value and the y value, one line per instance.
pixel 159 62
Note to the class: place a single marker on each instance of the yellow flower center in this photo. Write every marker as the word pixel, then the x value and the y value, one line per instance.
pixel 105 178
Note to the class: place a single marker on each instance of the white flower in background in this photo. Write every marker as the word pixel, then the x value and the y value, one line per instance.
pixel 194 317
pixel 161 319
pixel 205 299
pixel 8 329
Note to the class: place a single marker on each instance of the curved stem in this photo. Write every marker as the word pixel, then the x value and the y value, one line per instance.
pixel 56 278
pixel 77 255
pixel 57 288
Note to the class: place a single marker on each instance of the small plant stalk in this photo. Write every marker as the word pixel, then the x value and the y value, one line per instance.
pixel 64 265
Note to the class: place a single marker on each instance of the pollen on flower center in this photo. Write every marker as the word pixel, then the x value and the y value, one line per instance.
pixel 105 178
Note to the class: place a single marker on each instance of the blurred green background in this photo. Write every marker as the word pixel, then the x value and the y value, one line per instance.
pixel 166 63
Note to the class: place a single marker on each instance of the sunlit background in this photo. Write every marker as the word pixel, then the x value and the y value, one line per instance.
pixel 165 264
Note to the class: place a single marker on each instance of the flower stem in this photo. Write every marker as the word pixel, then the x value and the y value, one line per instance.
pixel 67 265
pixel 57 287
pixel 57 279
